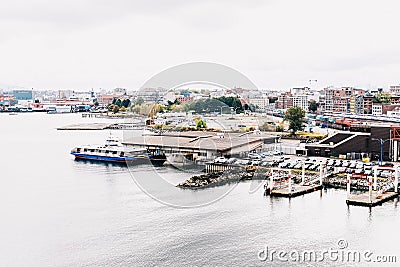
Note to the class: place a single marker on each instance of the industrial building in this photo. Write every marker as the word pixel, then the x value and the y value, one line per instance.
pixel 362 141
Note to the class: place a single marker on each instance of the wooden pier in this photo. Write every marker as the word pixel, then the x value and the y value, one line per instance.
pixel 297 190
pixel 372 200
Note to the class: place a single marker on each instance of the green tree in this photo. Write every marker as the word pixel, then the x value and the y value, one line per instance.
pixel 126 103
pixel 313 106
pixel 200 124
pixel 139 101
pixel 295 116
pixel 233 102
pixel 115 109
pixel 118 102
pixel 96 104
pixel 383 98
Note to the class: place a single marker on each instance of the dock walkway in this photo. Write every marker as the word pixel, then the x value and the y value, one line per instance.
pixel 376 199
pixel 297 190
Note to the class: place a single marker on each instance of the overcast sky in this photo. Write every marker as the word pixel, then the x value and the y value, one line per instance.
pixel 278 44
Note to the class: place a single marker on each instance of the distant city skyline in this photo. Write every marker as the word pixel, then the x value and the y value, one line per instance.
pixel 277 44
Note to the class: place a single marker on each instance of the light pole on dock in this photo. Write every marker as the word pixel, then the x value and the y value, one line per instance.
pixel 381 142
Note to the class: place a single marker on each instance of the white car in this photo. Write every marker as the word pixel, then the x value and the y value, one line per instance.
pixel 254 156
pixel 220 160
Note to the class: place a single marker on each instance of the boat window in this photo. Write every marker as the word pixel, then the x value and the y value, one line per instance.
pixel 85 150
pixel 107 151
pixel 114 152
pixel 78 150
pixel 121 154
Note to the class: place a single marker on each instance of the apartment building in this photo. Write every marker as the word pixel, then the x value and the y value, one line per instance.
pixel 300 101
pixel 394 90
pixel 376 109
pixel 339 99
pixel 285 100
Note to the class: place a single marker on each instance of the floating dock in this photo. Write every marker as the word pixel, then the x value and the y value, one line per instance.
pixel 372 200
pixel 297 190
pixel 86 126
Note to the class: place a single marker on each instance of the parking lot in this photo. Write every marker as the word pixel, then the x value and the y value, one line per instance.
pixel 274 159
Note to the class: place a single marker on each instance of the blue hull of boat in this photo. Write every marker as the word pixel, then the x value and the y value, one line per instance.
pixel 109 159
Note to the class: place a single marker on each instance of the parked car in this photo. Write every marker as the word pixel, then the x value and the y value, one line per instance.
pixel 387 164
pixel 254 156
pixel 220 160
pixel 266 164
pixel 297 166
pixel 231 160
pixel 283 165
pixel 262 155
pixel 346 164
pixel 358 171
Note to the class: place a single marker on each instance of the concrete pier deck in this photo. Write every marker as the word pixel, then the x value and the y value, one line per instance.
pixel 297 190
pixel 363 199
pixel 86 126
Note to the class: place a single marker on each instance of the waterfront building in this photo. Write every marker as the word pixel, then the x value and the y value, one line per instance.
pixel 362 139
pixel 7 100
pixel 202 144
pixel 23 94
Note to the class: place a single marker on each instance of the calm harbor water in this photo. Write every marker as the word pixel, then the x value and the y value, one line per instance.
pixel 56 211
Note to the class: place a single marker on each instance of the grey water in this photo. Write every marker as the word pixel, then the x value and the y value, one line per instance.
pixel 56 211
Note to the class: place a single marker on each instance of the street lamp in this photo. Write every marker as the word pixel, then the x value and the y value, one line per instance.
pixel 233 111
pixel 381 142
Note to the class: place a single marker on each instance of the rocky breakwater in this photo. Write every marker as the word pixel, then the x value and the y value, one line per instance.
pixel 216 178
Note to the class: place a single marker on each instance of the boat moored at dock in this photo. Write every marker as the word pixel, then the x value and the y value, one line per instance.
pixel 114 151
